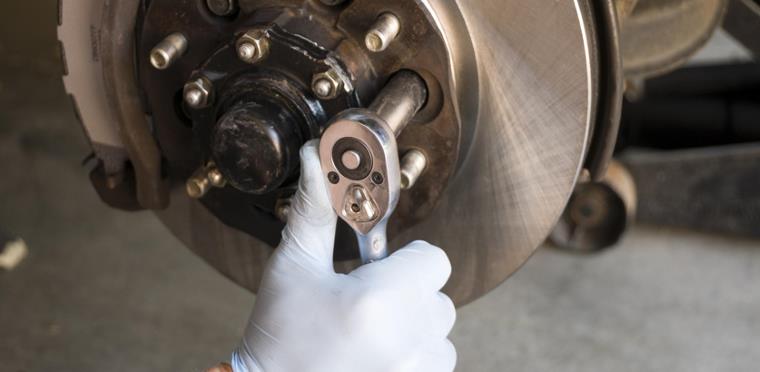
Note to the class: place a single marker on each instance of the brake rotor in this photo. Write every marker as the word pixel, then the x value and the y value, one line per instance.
pixel 526 85
pixel 538 70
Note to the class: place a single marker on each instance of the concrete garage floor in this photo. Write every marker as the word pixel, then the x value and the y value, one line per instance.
pixel 106 290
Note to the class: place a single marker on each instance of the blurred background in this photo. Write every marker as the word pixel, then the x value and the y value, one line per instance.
pixel 108 290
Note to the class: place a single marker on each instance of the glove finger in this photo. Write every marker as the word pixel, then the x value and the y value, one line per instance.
pixel 309 236
pixel 419 268
pixel 442 315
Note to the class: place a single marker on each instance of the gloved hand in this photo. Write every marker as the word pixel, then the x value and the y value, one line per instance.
pixel 388 316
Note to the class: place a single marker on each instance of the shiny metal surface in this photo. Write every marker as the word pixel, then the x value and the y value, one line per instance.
pixel 536 75
pixel 366 202
pixel 413 164
pixel 168 51
pixel 382 34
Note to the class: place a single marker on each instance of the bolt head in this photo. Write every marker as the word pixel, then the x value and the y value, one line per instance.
pixel 323 88
pixel 282 210
pixel 378 178
pixel 333 177
pixel 253 46
pixel 327 85
pixel 194 97
pixel 198 93
pixel 247 51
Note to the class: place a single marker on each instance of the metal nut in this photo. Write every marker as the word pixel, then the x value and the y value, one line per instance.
pixel 197 186
pixel 327 85
pixel 253 46
pixel 198 93
pixel 216 177
pixel 203 180
pixel 282 209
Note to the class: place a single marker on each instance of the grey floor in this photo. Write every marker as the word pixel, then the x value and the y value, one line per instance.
pixel 105 290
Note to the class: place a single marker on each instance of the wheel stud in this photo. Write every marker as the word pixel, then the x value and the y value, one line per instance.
pixel 383 33
pixel 168 51
pixel 253 46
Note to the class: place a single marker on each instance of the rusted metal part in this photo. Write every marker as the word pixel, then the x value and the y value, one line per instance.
pixel 599 213
pixel 121 84
pixel 661 35
pixel 116 190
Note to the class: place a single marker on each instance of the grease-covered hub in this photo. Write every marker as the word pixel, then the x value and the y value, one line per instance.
pixel 262 123
pixel 253 86
pixel 255 146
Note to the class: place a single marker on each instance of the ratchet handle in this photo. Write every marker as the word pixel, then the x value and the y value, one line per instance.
pixel 374 245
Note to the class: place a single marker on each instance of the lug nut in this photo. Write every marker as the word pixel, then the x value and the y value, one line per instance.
pixel 203 180
pixel 198 186
pixel 412 166
pixel 282 210
pixel 194 98
pixel 221 8
pixel 168 51
pixel 383 33
pixel 198 92
pixel 216 178
pixel 327 85
pixel 253 46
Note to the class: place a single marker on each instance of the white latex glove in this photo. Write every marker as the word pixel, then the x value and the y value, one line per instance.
pixel 388 316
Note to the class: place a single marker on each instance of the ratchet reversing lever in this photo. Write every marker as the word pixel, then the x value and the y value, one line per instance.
pixel 360 158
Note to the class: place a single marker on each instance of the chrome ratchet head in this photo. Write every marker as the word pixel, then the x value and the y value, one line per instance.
pixel 359 156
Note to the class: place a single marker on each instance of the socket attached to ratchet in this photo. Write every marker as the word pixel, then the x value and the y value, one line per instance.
pixel 360 158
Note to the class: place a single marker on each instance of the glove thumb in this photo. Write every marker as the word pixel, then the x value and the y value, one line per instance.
pixel 309 236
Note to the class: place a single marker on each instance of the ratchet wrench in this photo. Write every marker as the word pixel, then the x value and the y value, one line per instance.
pixel 360 159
